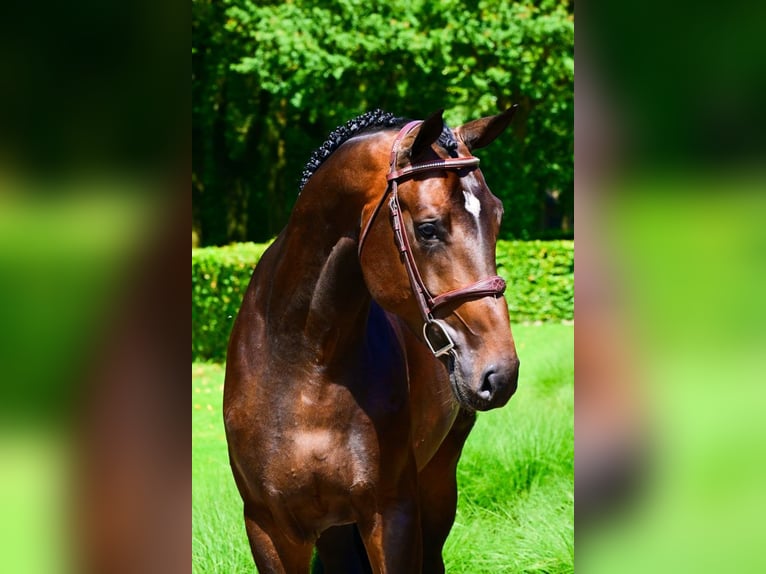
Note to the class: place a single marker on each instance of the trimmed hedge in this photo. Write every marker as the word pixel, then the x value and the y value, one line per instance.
pixel 220 276
pixel 540 276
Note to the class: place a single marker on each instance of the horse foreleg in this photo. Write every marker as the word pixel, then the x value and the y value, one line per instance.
pixel 392 537
pixel 274 553
pixel 438 493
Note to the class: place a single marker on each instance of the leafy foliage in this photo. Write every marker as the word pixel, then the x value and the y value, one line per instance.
pixel 540 276
pixel 270 80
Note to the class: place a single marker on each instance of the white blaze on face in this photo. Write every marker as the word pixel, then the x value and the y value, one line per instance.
pixel 472 204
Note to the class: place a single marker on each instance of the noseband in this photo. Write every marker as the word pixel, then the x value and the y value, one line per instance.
pixel 434 330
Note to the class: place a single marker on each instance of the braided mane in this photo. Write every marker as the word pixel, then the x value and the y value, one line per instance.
pixel 373 119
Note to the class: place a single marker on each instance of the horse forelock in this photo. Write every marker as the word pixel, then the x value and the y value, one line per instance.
pixel 447 140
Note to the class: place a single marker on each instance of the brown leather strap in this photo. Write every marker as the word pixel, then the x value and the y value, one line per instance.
pixel 395 175
pixel 419 289
pixel 493 286
pixel 489 286
pixel 443 163
pixel 391 163
pixel 398 140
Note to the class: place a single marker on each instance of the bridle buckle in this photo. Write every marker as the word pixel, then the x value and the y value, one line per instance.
pixel 434 329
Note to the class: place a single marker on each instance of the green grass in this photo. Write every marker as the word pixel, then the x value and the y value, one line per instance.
pixel 516 495
pixel 515 510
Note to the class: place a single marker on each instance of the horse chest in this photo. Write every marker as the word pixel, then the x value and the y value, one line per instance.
pixel 325 456
pixel 320 477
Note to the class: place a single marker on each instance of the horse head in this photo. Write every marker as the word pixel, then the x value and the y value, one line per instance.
pixel 432 260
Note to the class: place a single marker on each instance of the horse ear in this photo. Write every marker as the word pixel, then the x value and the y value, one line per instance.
pixel 482 132
pixel 430 130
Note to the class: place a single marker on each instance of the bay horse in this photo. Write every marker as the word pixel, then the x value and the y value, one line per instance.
pixel 365 345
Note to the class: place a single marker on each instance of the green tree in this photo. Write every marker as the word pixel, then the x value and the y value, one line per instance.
pixel 270 80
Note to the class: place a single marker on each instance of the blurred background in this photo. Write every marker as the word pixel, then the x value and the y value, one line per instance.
pixel 94 141
pixel 670 198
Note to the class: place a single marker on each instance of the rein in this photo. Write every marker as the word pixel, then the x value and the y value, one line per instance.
pixel 434 330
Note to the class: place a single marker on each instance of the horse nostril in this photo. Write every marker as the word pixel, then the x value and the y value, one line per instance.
pixel 488 385
pixel 498 383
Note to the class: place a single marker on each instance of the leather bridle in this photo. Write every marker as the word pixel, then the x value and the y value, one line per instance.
pixel 434 330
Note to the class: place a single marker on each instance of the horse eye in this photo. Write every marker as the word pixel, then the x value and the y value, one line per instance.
pixel 428 231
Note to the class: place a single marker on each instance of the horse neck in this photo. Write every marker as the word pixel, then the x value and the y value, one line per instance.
pixel 319 299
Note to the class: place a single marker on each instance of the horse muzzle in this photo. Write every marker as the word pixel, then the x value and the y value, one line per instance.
pixel 492 389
